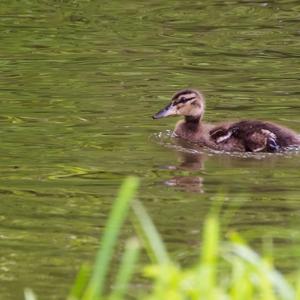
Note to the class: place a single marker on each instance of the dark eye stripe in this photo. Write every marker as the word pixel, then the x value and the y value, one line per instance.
pixel 184 100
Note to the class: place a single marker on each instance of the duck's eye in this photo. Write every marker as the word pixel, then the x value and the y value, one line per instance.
pixel 184 99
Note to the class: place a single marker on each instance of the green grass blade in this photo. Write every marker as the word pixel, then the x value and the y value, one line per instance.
pixel 109 238
pixel 265 282
pixel 150 236
pixel 240 284
pixel 126 270
pixel 207 266
pixel 282 287
pixel 80 284
pixel 298 286
pixel 29 295
pixel 210 246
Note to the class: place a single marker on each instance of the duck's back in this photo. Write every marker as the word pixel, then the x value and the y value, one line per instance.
pixel 255 136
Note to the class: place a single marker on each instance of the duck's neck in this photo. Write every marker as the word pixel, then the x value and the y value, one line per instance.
pixel 192 123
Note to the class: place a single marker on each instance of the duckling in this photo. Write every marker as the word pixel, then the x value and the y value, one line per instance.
pixel 240 136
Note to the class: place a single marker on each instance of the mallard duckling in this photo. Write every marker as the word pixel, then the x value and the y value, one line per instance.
pixel 241 136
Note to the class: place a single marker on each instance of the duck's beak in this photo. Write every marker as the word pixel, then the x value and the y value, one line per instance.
pixel 169 110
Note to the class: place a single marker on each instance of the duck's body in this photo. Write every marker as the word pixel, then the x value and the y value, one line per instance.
pixel 241 136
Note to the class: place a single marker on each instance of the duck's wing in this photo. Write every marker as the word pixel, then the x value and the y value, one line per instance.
pixel 261 140
pixel 254 136
pixel 265 136
pixel 222 134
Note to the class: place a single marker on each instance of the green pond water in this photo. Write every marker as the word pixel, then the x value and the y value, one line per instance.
pixel 79 82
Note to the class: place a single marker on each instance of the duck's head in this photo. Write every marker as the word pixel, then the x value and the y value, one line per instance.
pixel 188 103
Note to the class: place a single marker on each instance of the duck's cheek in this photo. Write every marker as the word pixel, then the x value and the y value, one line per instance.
pixel 197 111
pixel 191 112
pixel 182 111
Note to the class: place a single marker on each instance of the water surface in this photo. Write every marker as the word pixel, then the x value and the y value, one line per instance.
pixel 79 81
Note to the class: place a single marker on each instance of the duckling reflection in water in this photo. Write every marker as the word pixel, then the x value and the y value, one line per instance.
pixel 192 184
pixel 241 136
pixel 190 162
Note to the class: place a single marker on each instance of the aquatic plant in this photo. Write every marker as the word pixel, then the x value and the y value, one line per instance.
pixel 224 270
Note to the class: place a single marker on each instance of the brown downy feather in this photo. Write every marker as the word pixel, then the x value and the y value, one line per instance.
pixel 242 136
pixel 256 136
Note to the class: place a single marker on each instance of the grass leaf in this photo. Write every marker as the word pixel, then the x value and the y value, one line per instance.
pixel 80 284
pixel 149 234
pixel 29 295
pixel 126 269
pixel 111 232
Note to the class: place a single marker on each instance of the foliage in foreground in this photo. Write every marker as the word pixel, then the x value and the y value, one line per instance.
pixel 224 270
